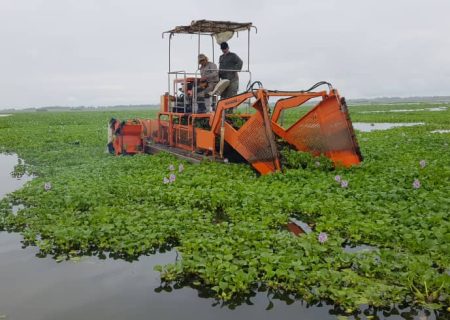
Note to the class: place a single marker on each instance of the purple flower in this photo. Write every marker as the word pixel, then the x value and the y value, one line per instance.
pixel 47 186
pixel 317 164
pixel 165 180
pixel 337 178
pixel 180 168
pixel 422 163
pixel 344 183
pixel 323 237
pixel 416 184
pixel 171 167
pixel 172 178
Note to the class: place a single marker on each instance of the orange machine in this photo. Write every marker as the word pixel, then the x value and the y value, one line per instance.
pixel 254 135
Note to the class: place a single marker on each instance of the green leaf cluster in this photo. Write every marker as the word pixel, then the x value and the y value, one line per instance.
pixel 229 225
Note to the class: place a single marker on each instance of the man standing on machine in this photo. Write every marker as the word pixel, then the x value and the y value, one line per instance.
pixel 229 65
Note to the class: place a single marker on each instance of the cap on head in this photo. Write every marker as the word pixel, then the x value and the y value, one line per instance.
pixel 224 46
pixel 202 57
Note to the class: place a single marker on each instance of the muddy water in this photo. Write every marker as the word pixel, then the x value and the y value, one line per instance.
pixel 42 289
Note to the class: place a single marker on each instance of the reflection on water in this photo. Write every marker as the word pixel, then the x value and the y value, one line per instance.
pixel 367 127
pixel 42 289
pixel 8 183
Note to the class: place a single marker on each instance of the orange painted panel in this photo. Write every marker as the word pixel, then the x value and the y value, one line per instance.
pixel 204 139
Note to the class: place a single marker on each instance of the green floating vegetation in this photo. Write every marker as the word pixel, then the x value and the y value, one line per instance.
pixel 229 225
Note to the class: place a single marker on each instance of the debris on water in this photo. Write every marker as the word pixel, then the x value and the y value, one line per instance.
pixel 297 227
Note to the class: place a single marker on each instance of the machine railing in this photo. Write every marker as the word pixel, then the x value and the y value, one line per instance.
pixel 187 84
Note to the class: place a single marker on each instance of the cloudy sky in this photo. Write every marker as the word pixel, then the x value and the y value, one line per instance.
pixel 110 52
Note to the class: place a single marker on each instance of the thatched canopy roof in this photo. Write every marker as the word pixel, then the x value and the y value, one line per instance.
pixel 211 27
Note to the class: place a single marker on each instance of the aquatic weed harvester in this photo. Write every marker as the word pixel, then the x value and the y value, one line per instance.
pixel 245 127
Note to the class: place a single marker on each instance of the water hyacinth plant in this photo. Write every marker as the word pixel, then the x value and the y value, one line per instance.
pixel 322 237
pixel 228 224
pixel 422 163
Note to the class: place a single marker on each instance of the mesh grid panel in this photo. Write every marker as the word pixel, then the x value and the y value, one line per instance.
pixel 307 134
pixel 325 129
pixel 253 141
pixel 182 136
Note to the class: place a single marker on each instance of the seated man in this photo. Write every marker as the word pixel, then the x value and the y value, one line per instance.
pixel 203 96
pixel 208 71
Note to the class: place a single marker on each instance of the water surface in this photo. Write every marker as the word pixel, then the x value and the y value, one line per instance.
pixel 441 131
pixel 7 182
pixel 433 109
pixel 367 127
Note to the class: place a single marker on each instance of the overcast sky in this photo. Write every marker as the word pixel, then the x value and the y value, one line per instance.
pixel 110 52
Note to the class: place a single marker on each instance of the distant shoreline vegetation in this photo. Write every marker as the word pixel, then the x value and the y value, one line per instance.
pixel 81 108
pixel 394 100
pixel 350 102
